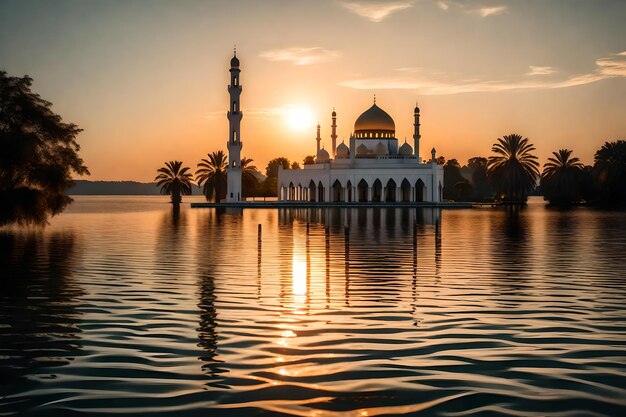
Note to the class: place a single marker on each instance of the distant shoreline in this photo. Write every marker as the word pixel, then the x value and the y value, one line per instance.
pixel 85 187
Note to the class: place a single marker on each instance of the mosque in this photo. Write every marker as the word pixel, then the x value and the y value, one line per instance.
pixel 372 167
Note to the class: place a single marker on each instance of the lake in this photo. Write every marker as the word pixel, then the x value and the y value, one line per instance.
pixel 121 306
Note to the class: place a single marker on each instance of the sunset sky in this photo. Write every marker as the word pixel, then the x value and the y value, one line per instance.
pixel 146 80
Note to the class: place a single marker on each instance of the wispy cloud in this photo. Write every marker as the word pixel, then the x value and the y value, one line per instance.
pixel 534 70
pixel 301 55
pixel 376 11
pixel 609 67
pixel 472 8
pixel 489 11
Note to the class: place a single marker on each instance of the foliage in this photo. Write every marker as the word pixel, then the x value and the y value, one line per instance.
pixel 514 169
pixel 211 175
pixel 440 160
pixel 249 181
pixel 174 180
pixel 610 173
pixel 482 187
pixel 560 178
pixel 309 160
pixel 451 176
pixel 39 155
pixel 272 166
pixel 295 165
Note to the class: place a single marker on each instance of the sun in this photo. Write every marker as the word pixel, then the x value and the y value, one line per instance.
pixel 300 118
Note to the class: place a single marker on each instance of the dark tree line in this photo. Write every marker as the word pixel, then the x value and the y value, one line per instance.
pixel 39 155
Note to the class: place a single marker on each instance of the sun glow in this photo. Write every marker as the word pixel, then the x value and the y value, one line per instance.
pixel 300 118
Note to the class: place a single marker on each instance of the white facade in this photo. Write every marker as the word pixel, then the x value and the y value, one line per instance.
pixel 373 168
pixel 234 145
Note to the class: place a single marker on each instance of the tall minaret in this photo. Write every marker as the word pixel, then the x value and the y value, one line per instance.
pixel 234 145
pixel 318 139
pixel 416 133
pixel 333 134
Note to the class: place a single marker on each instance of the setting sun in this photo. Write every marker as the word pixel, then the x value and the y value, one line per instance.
pixel 300 118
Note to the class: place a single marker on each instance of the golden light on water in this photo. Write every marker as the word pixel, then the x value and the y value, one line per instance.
pixel 298 277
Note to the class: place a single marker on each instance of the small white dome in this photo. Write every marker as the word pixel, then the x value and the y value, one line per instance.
pixel 361 150
pixel 380 149
pixel 405 149
pixel 322 155
pixel 343 151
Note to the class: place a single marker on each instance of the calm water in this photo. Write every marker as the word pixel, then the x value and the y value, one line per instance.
pixel 122 307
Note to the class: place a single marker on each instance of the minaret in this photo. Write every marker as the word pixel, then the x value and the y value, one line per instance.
pixel 416 133
pixel 333 134
pixel 318 139
pixel 234 145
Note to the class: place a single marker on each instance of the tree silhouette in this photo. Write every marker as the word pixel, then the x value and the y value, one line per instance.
pixel 211 175
pixel 248 177
pixel 514 169
pixel 272 166
pixel 610 172
pixel 560 177
pixel 39 155
pixel 309 160
pixel 483 190
pixel 174 180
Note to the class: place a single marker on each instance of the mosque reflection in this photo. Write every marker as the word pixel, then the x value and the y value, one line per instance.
pixel 329 245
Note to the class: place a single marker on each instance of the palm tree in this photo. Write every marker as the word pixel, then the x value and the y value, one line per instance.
pixel 514 169
pixel 174 180
pixel 248 176
pixel 211 175
pixel 560 177
pixel 610 172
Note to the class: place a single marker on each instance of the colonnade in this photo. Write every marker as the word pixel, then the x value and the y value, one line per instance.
pixel 353 193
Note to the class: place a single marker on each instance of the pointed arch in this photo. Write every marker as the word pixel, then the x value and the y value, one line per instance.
pixel 291 192
pixel 377 190
pixel 420 190
pixel 337 191
pixel 390 190
pixel 363 191
pixel 349 196
pixel 405 188
pixel 312 190
pixel 320 192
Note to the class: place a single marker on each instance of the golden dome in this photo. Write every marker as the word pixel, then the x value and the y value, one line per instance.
pixel 375 120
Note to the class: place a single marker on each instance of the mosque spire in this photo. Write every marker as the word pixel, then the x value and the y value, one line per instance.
pixel 416 132
pixel 333 134
pixel 318 138
pixel 234 144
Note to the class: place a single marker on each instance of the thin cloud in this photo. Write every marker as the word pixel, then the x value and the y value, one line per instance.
pixel 443 5
pixel 300 55
pixel 534 70
pixel 490 11
pixel 610 67
pixel 376 11
pixel 468 7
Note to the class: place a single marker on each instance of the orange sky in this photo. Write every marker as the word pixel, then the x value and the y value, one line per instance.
pixel 147 80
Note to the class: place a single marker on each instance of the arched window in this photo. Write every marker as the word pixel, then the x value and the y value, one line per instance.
pixel 234 164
